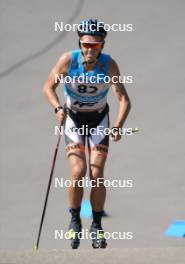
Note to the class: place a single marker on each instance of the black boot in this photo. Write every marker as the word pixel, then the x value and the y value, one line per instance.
pixel 75 227
pixel 97 232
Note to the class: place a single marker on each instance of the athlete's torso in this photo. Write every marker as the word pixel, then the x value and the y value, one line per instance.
pixel 89 94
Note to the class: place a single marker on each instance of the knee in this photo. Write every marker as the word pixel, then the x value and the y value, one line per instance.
pixel 78 171
pixel 96 173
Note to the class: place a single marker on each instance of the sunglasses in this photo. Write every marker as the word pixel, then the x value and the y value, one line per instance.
pixel 91 45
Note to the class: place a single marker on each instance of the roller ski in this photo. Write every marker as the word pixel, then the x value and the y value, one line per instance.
pixel 75 228
pixel 74 234
pixel 97 235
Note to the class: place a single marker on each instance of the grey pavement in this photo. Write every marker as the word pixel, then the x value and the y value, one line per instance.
pixel 113 256
pixel 153 158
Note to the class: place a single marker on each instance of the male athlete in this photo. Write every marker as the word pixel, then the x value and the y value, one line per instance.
pixel 86 104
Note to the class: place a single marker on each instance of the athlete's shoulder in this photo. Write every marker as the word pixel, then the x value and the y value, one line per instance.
pixel 66 57
pixel 70 56
pixel 63 63
pixel 76 51
pixel 76 55
pixel 105 56
pixel 113 64
pixel 113 68
pixel 104 62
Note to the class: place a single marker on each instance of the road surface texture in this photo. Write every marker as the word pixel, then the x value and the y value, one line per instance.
pixel 153 158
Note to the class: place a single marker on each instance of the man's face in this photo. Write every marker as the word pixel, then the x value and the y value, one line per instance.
pixel 90 53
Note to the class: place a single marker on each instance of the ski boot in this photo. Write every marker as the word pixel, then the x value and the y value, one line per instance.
pixel 75 228
pixel 97 234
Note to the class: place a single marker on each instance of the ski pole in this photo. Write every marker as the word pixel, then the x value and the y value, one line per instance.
pixel 48 189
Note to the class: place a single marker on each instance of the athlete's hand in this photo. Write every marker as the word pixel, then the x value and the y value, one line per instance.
pixel 61 116
pixel 115 135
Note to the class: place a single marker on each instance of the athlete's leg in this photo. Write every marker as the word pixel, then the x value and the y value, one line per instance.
pixel 98 192
pixel 75 146
pixel 78 171
pixel 97 197
pixel 98 149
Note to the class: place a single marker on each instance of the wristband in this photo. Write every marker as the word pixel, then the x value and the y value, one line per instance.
pixel 57 109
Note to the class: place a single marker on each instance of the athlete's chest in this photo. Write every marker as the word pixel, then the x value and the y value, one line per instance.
pixel 89 82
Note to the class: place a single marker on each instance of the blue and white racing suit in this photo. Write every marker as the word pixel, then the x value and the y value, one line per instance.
pixel 86 105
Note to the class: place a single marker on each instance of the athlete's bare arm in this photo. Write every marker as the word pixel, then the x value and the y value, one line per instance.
pixel 50 86
pixel 121 95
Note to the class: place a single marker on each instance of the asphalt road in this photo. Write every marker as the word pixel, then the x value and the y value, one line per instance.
pixel 127 256
pixel 153 53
